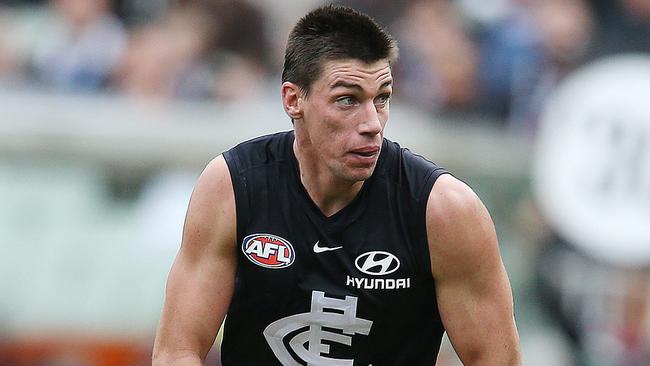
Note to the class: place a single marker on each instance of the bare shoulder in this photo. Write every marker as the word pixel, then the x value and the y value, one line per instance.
pixel 215 177
pixel 472 288
pixel 211 212
pixel 201 281
pixel 451 200
pixel 460 231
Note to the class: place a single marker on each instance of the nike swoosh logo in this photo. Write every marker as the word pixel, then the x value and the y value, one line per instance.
pixel 319 249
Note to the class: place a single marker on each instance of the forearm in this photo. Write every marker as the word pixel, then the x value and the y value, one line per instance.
pixel 201 281
pixel 482 331
pixel 192 314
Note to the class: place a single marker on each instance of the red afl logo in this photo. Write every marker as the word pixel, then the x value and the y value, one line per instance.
pixel 268 250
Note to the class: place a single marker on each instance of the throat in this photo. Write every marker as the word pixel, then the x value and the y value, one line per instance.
pixel 331 199
pixel 328 193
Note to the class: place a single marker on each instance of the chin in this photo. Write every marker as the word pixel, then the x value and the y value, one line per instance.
pixel 358 174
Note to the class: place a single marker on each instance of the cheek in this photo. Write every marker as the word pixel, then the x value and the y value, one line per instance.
pixel 383 117
pixel 332 128
pixel 384 112
pixel 335 123
pixel 334 138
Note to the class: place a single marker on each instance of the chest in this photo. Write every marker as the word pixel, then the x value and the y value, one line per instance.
pixel 373 246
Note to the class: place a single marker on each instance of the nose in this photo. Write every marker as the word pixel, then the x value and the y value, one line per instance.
pixel 371 124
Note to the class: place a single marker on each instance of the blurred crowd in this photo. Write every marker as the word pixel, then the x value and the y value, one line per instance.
pixel 499 58
pixel 192 49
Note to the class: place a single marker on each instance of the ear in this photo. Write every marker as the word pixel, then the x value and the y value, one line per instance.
pixel 291 100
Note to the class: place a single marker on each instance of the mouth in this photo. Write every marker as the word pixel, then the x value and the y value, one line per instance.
pixel 366 152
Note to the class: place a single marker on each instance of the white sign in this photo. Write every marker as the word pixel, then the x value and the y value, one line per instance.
pixel 592 169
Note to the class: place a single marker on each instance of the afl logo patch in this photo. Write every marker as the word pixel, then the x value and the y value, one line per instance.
pixel 377 263
pixel 269 251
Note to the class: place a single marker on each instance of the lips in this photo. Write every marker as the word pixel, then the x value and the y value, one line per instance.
pixel 367 151
pixel 365 156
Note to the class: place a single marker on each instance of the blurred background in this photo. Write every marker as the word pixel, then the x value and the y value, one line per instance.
pixel 109 110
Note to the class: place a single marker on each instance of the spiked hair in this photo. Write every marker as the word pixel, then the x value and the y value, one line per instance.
pixel 333 33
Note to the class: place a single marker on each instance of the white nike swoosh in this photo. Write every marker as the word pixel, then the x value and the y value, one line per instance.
pixel 318 249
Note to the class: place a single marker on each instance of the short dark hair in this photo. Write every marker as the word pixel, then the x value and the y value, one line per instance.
pixel 333 32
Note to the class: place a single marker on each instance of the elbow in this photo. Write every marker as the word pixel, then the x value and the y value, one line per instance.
pixel 512 357
pixel 158 359
pixel 161 358
pixel 490 358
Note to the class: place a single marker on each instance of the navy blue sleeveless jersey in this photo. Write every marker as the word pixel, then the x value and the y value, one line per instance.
pixel 354 288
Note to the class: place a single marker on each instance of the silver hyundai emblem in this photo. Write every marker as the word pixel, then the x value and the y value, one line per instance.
pixel 377 263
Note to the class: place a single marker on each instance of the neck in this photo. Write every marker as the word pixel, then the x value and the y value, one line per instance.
pixel 329 193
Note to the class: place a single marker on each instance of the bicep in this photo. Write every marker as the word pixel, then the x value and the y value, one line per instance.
pixel 201 281
pixel 472 287
pixel 477 314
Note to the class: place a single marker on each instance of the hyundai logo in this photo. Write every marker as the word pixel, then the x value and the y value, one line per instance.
pixel 377 263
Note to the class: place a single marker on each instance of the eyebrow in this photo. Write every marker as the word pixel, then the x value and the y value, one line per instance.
pixel 345 84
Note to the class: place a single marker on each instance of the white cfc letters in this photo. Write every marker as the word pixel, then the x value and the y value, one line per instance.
pixel 308 345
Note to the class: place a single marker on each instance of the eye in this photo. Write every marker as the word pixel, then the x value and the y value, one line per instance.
pixel 382 100
pixel 346 100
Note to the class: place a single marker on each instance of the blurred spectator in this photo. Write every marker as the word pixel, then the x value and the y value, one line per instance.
pixel 603 309
pixel 438 59
pixel 21 29
pixel 83 47
pixel 138 12
pixel 502 56
pixel 240 47
pixel 241 28
pixel 281 15
pixel 624 26
pixel 508 48
pixel 386 12
pixel 9 62
pixel 200 49
pixel 21 2
pixel 526 54
pixel 565 29
pixel 239 78
pixel 165 59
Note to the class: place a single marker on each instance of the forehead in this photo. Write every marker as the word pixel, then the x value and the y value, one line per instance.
pixel 352 71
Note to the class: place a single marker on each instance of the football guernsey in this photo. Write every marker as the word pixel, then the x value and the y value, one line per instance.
pixel 354 288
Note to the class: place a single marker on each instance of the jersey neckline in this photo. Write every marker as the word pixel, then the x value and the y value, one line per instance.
pixel 349 212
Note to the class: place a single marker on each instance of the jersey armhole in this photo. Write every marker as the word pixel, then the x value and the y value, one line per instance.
pixel 240 188
pixel 430 180
pixel 423 200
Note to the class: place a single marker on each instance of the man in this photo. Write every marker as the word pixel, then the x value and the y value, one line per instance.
pixel 330 245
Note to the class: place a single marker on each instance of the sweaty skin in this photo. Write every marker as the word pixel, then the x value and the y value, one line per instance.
pixel 472 286
pixel 339 129
pixel 201 281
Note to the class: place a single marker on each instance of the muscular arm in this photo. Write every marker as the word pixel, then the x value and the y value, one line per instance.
pixel 201 281
pixel 472 287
